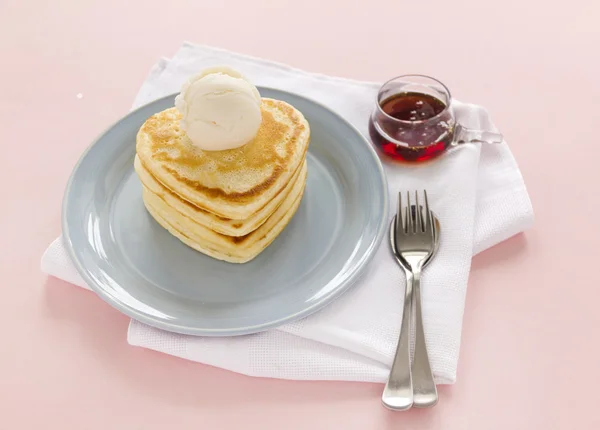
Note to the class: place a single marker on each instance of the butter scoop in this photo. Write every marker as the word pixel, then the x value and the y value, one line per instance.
pixel 220 109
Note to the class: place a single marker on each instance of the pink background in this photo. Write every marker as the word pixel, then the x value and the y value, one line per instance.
pixel 530 354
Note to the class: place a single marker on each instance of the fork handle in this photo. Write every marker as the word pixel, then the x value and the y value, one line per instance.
pixel 398 392
pixel 425 391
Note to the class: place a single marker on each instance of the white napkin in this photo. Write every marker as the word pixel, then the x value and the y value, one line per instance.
pixel 477 192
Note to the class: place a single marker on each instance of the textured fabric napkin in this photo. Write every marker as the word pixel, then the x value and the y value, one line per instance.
pixel 477 192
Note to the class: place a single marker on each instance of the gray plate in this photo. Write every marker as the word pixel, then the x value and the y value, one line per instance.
pixel 140 269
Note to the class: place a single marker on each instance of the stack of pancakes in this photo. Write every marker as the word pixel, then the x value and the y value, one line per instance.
pixel 229 204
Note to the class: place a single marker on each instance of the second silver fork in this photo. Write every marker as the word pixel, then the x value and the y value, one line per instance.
pixel 414 237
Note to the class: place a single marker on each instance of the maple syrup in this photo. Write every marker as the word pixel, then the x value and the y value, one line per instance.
pixel 422 132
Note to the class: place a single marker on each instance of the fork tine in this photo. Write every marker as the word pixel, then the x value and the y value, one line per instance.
pixel 428 216
pixel 399 218
pixel 409 220
pixel 398 227
pixel 418 215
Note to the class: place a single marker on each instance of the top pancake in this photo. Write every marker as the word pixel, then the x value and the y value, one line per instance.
pixel 234 183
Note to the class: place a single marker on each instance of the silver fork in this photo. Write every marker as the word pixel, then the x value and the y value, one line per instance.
pixel 413 242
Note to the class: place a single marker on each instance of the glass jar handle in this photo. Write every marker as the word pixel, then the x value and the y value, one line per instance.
pixel 469 135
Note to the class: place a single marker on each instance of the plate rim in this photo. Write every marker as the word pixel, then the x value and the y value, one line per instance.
pixel 144 318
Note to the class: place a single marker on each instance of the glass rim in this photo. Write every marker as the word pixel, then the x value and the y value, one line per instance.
pixel 419 121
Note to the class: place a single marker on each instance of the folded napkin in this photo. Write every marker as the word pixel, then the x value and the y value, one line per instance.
pixel 476 191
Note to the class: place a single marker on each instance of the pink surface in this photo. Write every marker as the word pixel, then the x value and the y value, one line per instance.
pixel 529 357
